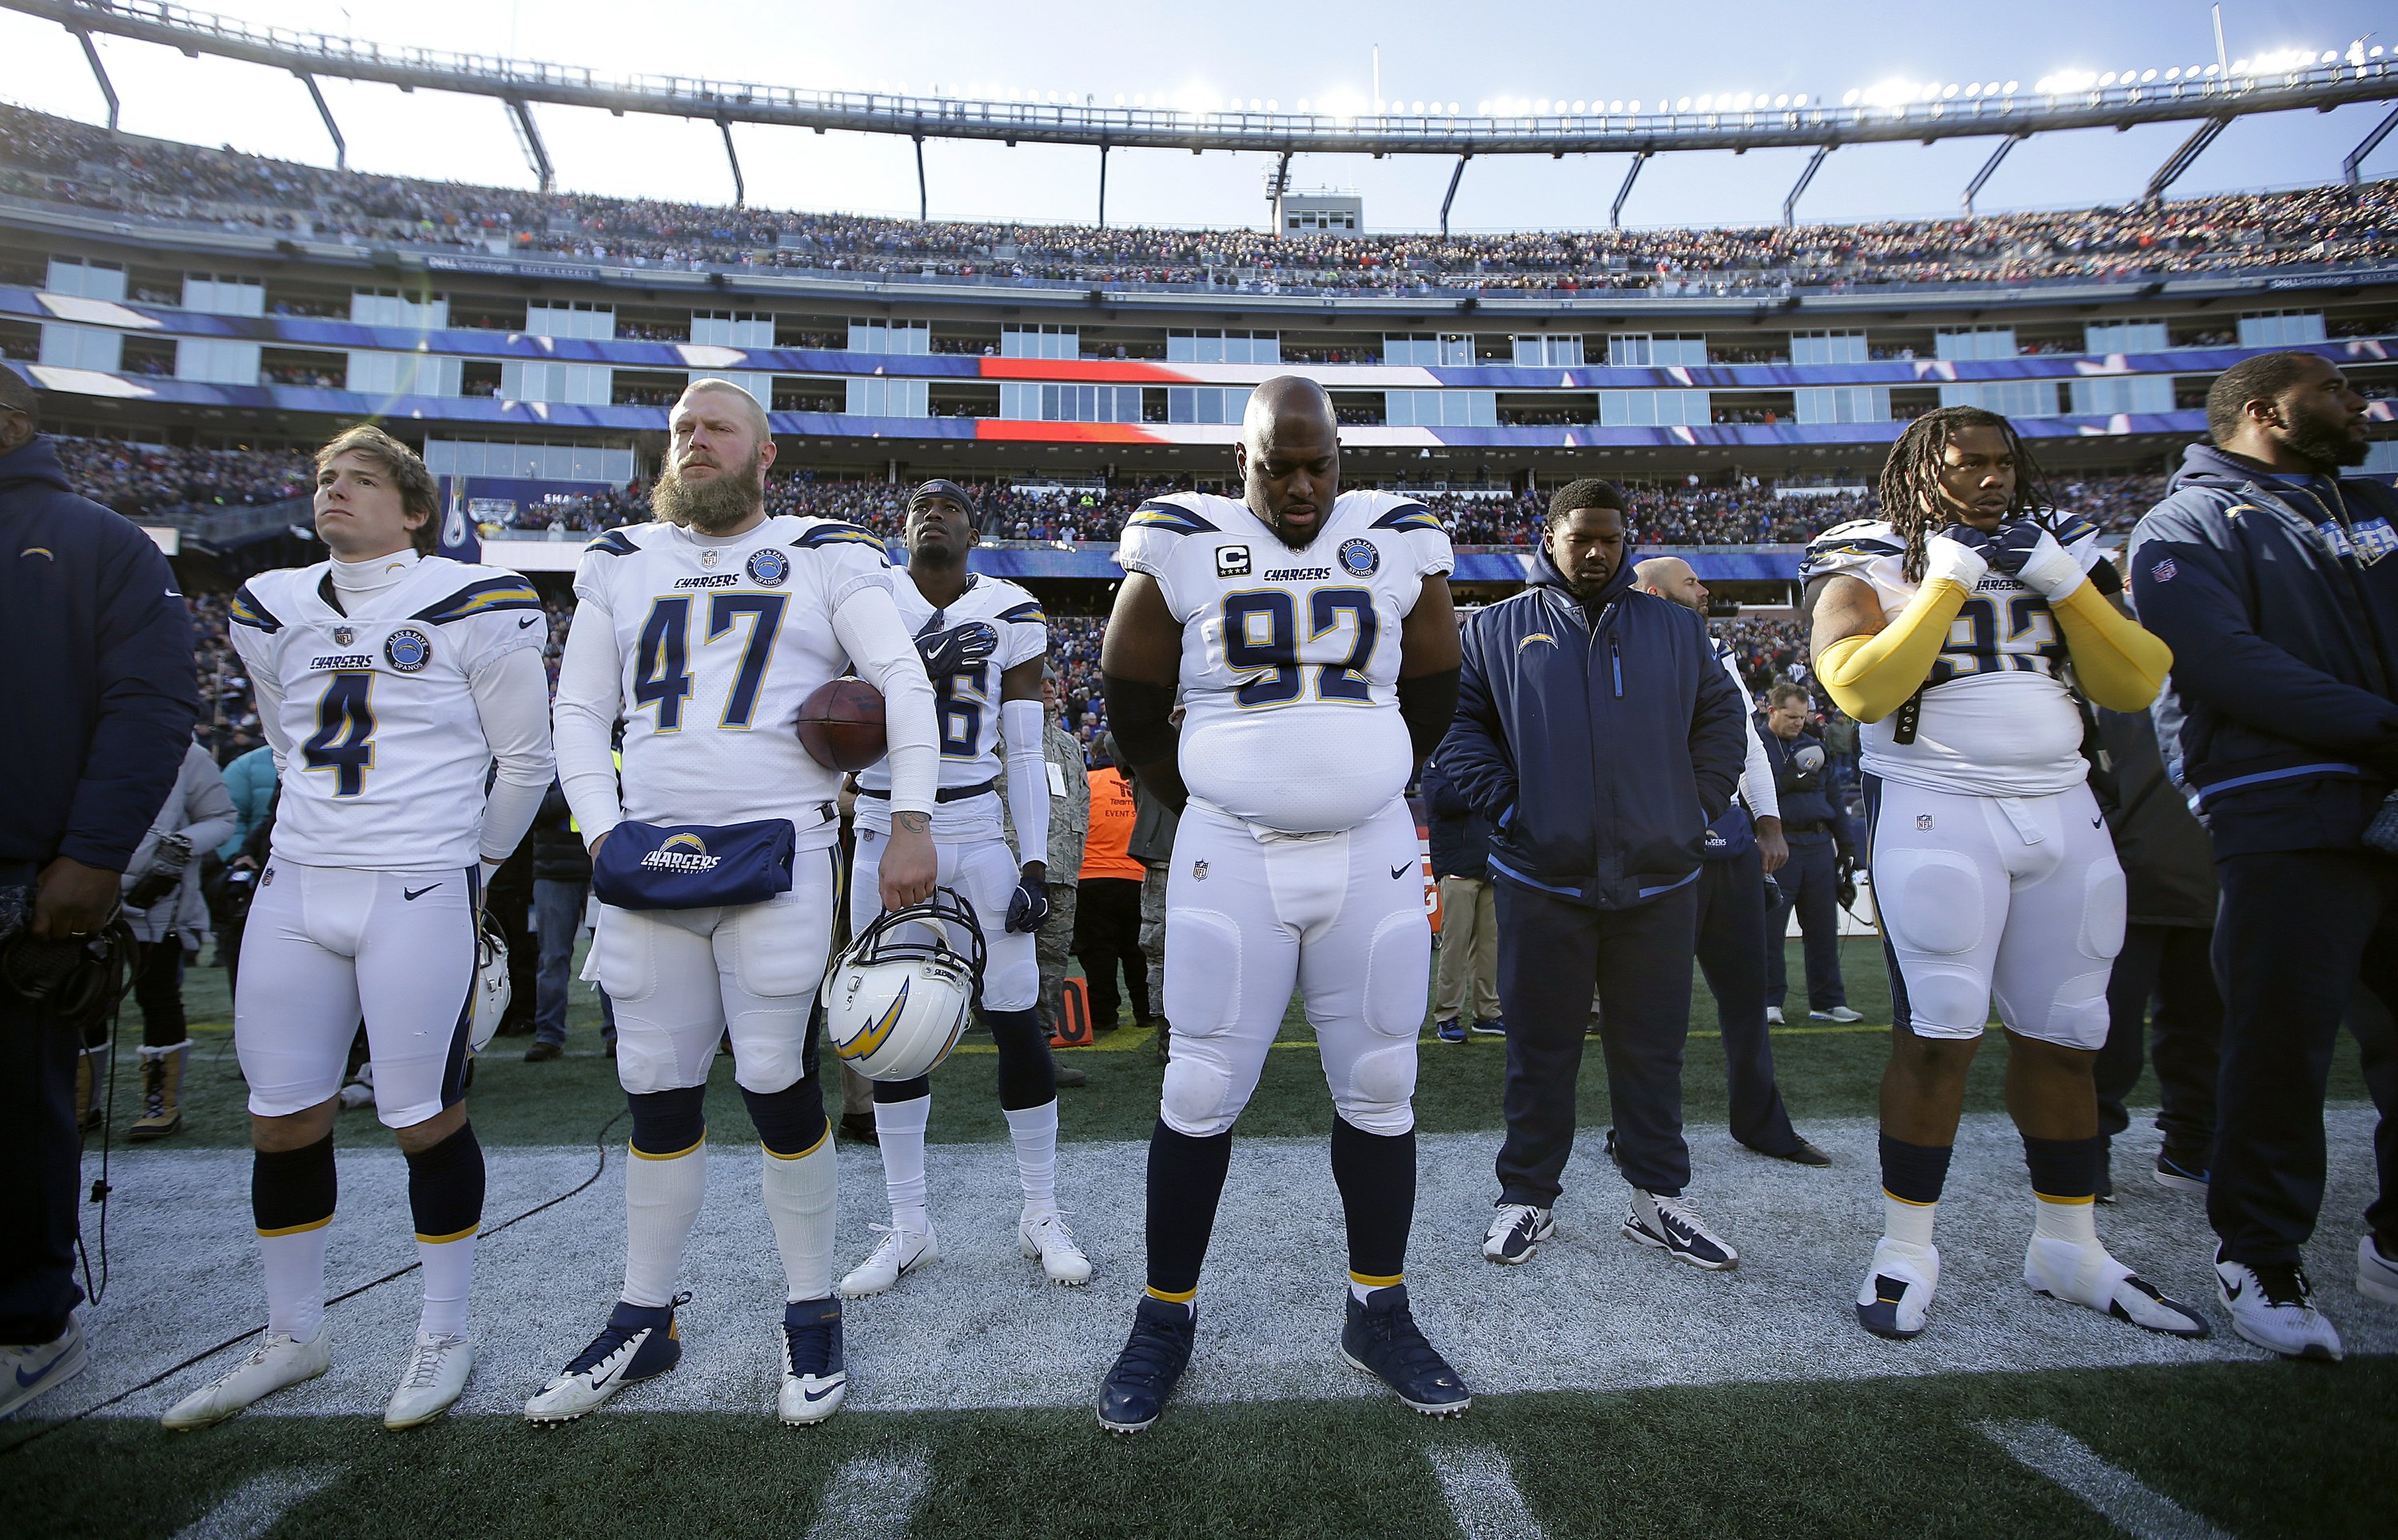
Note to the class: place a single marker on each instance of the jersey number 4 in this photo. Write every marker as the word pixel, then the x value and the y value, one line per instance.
pixel 343 741
pixel 1262 639
pixel 662 658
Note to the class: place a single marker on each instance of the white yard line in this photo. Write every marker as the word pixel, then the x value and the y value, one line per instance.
pixel 253 1508
pixel 979 1329
pixel 2132 1505
pixel 873 1499
pixel 1480 1487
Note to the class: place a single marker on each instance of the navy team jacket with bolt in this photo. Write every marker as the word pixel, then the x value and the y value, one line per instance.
pixel 1600 739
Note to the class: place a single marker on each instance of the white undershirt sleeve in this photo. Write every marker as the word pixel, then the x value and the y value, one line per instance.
pixel 1757 786
pixel 266 689
pixel 868 625
pixel 1022 724
pixel 584 718
pixel 512 700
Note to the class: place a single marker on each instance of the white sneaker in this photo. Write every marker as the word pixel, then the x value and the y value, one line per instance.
pixel 1671 1226
pixel 2377 1276
pixel 1838 1013
pixel 2274 1308
pixel 1045 1235
pixel 435 1377
pixel 1516 1232
pixel 1774 1015
pixel 36 1367
pixel 900 1252
pixel 815 1383
pixel 277 1362
pixel 1898 1288
pixel 2085 1274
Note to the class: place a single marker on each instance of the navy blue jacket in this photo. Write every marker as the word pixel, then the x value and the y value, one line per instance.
pixel 101 684
pixel 2282 714
pixel 1804 791
pixel 1598 739
pixel 1459 835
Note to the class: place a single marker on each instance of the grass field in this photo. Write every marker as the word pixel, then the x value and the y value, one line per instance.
pixel 1721 1415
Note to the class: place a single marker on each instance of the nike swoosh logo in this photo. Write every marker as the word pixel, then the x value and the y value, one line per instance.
pixel 2231 1291
pixel 2098 823
pixel 1400 870
pixel 526 622
pixel 412 897
pixel 817 1395
pixel 26 1381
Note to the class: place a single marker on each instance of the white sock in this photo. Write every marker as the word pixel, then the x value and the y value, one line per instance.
pixel 1908 1224
pixel 1359 1291
pixel 1034 1130
pixel 2076 1222
pixel 900 1126
pixel 295 1281
pixel 448 1269
pixel 662 1198
pixel 801 1194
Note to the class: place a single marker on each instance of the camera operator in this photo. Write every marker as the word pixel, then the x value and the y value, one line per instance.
pixel 102 645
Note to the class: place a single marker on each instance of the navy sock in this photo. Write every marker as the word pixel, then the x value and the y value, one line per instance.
pixel 445 1186
pixel 2064 1168
pixel 1186 1182
pixel 1027 1075
pixel 1376 1173
pixel 292 1189
pixel 1914 1174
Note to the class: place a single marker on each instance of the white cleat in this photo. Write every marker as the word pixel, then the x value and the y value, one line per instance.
pixel 277 1362
pixel 814 1384
pixel 1045 1235
pixel 434 1379
pixel 1898 1288
pixel 900 1252
pixel 2376 1275
pixel 2085 1274
pixel 2273 1306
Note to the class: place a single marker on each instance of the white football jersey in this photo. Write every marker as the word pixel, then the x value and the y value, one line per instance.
pixel 1995 716
pixel 1290 658
pixel 967 700
pixel 387 763
pixel 717 642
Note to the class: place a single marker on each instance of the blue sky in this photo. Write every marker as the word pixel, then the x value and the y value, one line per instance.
pixel 1280 51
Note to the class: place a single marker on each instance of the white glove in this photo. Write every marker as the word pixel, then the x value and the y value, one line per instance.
pixel 2034 558
pixel 1955 554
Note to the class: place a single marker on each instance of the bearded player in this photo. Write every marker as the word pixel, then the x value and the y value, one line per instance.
pixel 1312 638
pixel 983 640
pixel 390 682
pixel 704 633
pixel 1957 628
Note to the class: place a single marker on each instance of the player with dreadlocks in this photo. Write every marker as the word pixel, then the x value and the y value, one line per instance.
pixel 1957 627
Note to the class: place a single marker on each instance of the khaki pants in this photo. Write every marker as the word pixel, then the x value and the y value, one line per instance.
pixel 1054 945
pixel 1153 934
pixel 1469 949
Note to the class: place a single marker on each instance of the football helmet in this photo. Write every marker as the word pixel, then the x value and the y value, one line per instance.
pixel 491 991
pixel 896 1002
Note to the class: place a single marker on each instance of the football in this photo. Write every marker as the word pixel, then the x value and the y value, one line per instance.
pixel 841 724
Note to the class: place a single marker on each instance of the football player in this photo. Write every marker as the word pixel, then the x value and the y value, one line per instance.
pixel 704 633
pixel 1313 637
pixel 1957 627
pixel 983 640
pixel 389 681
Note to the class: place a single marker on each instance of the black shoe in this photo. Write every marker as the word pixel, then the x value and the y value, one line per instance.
pixel 1069 1075
pixel 2182 1169
pixel 1380 1337
pixel 544 1051
pixel 1153 1361
pixel 1806 1154
pixel 858 1128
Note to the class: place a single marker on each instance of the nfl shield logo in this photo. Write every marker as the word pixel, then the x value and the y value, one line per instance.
pixel 707 558
pixel 2163 571
pixel 1923 821
pixel 343 635
pixel 1199 871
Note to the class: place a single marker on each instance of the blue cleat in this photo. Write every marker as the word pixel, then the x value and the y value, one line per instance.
pixel 638 1342
pixel 1495 1027
pixel 1382 1338
pixel 1448 1031
pixel 1144 1375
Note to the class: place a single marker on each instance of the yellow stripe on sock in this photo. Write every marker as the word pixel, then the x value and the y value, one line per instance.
pixel 640 1154
pixel 297 1229
pixel 445 1239
pixel 2046 1198
pixel 1910 1201
pixel 1369 1280
pixel 1177 1296
pixel 804 1154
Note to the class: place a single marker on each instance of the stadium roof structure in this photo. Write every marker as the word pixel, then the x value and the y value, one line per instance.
pixel 2211 97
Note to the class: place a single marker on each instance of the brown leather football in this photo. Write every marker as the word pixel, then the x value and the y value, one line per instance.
pixel 841 724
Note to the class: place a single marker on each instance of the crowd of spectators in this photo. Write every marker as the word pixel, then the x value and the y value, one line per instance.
pixel 138 479
pixel 60 160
